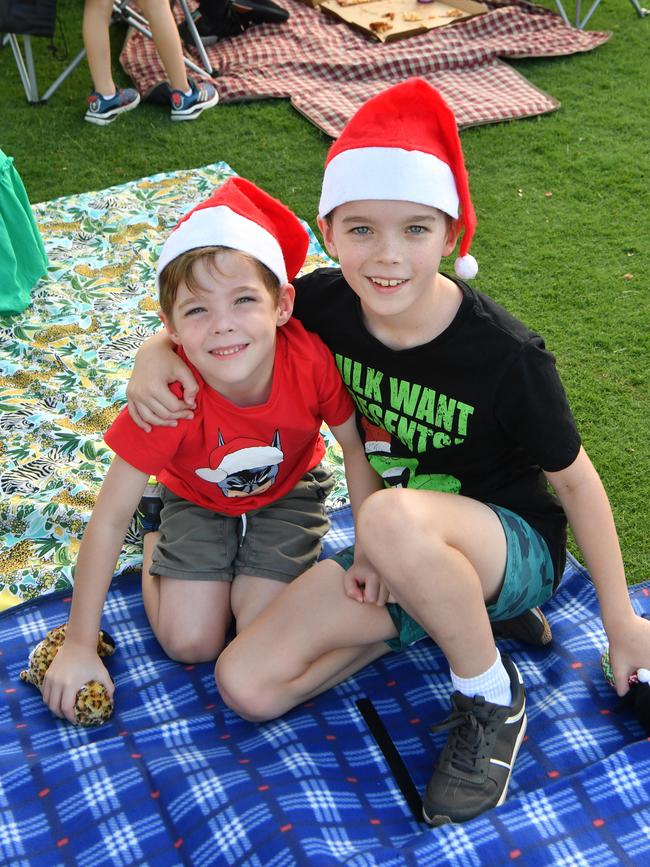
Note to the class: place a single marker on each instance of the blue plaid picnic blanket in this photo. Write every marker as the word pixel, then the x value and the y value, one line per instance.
pixel 176 778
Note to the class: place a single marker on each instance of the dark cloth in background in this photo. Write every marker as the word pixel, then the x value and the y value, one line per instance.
pixel 28 17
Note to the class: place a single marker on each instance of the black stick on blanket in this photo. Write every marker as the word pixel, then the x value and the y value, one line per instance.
pixel 393 758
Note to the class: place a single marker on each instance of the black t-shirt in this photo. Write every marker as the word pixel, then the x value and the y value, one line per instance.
pixel 479 410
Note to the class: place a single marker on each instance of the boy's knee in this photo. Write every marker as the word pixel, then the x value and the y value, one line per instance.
pixel 190 648
pixel 378 506
pixel 242 691
pixel 383 517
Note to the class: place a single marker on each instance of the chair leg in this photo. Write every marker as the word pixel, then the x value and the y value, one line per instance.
pixel 200 47
pixel 25 66
pixel 27 69
pixel 640 10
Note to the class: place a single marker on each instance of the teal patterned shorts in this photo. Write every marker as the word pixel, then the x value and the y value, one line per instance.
pixel 528 579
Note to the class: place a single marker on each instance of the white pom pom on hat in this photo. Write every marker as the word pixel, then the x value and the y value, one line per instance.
pixel 403 145
pixel 466 267
pixel 243 217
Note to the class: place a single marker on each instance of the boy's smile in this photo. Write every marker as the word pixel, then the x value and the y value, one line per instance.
pixel 227 327
pixel 389 252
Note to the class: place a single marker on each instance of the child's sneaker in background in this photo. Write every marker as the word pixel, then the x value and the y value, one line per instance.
pixel 102 110
pixel 189 107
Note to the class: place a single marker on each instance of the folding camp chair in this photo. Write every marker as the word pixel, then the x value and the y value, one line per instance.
pixel 122 11
pixel 581 23
pixel 27 69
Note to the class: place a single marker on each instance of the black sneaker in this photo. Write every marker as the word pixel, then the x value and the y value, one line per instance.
pixel 531 627
pixel 473 772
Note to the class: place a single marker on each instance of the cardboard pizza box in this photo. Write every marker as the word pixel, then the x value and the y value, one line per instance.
pixel 386 20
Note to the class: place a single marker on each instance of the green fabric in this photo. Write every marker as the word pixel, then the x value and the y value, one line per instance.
pixel 23 259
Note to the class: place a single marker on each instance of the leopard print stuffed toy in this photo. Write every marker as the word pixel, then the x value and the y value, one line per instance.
pixel 93 706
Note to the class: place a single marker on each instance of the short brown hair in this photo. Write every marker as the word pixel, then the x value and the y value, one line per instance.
pixel 181 270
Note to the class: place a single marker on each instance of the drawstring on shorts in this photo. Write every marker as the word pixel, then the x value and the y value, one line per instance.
pixel 244 525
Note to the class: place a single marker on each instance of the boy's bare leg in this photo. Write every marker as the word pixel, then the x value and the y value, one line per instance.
pixel 250 595
pixel 309 638
pixel 95 29
pixel 189 618
pixel 167 41
pixel 441 556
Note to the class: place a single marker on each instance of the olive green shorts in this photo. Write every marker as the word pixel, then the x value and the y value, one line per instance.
pixel 279 541
pixel 528 579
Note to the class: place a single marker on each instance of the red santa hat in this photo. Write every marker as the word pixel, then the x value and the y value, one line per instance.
pixel 240 454
pixel 241 216
pixel 403 145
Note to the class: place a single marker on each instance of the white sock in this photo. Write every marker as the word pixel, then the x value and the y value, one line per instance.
pixel 493 684
pixel 109 95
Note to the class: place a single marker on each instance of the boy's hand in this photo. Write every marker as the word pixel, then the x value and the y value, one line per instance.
pixel 71 668
pixel 629 650
pixel 362 583
pixel 150 401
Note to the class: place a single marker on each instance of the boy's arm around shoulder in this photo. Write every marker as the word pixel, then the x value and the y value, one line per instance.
pixel 150 401
pixel 585 502
pixel 77 661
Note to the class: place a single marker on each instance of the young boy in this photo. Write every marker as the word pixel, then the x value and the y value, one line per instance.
pixel 242 484
pixel 465 420
pixel 106 102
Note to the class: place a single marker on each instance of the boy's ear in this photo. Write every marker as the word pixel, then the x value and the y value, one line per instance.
pixel 452 237
pixel 325 227
pixel 169 326
pixel 284 309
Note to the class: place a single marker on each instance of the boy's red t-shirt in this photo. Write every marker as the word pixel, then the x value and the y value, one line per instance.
pixel 233 459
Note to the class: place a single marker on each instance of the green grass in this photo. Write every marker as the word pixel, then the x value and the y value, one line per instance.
pixel 574 265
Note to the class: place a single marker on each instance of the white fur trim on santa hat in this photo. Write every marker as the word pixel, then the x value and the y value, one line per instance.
pixel 394 174
pixel 222 227
pixel 244 459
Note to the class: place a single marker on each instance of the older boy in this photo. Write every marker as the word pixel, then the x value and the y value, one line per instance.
pixel 465 420
pixel 243 487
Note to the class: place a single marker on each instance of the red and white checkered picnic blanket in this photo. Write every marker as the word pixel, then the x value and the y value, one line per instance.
pixel 328 70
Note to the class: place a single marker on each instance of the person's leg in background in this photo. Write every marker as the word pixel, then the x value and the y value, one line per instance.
pixel 167 41
pixel 188 98
pixel 95 30
pixel 106 101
